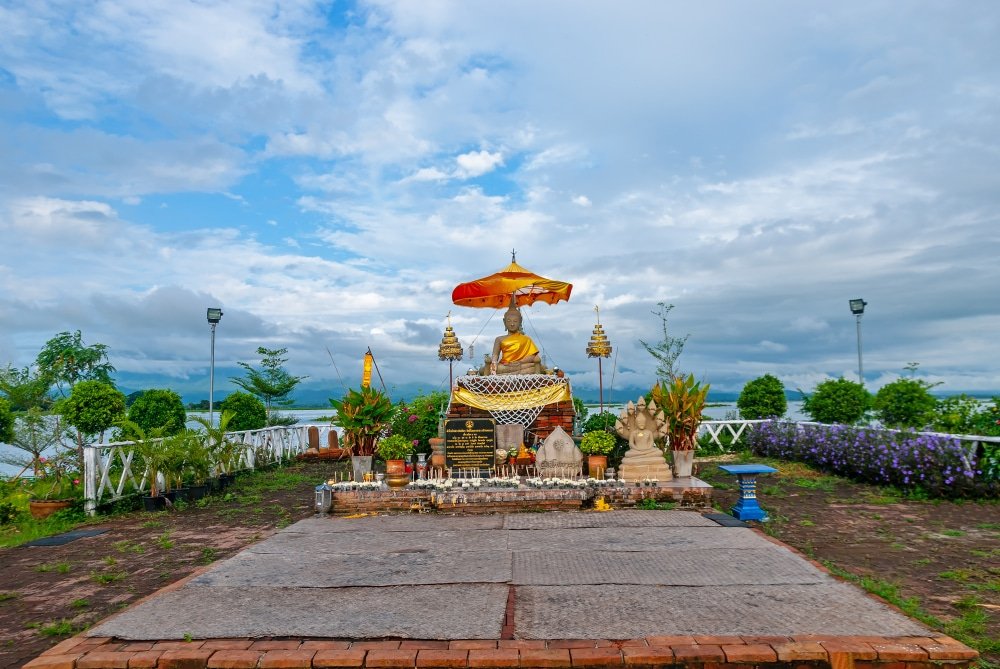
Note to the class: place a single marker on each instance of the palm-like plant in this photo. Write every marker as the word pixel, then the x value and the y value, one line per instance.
pixel 683 401
pixel 221 449
pixel 364 415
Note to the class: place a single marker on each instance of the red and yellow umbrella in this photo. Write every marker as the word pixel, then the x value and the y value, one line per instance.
pixel 494 291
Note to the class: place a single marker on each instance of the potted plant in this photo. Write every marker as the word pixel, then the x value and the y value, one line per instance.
pixel 596 445
pixel 221 449
pixel 149 448
pixel 198 464
pixel 394 450
pixel 363 415
pixel 683 401
pixel 54 488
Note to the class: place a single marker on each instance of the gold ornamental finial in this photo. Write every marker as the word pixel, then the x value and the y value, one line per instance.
pixel 599 346
pixel 450 348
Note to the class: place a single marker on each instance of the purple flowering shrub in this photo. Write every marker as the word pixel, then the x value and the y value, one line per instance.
pixel 938 466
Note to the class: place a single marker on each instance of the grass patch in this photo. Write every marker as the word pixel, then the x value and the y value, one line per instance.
pixel 953 533
pixel 208 555
pixel 805 522
pixel 104 578
pixel 60 567
pixel 126 546
pixel 650 504
pixel 164 541
pixel 7 596
pixel 79 604
pixel 61 628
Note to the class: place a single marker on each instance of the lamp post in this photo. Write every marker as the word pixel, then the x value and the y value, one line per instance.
pixel 599 347
pixel 214 316
pixel 858 308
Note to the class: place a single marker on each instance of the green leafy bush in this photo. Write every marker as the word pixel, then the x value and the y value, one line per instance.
pixel 364 415
pixel 6 422
pixel 837 401
pixel 418 419
pixel 92 407
pixel 905 403
pixel 394 447
pixel 598 442
pixel 158 408
pixel 763 397
pixel 249 413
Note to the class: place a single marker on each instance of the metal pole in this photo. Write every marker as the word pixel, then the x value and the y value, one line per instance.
pixel 600 381
pixel 861 370
pixel 211 380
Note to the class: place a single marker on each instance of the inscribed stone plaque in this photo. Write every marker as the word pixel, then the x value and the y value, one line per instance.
pixel 470 443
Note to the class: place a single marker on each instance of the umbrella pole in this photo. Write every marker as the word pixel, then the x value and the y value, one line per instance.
pixel 600 381
pixel 451 378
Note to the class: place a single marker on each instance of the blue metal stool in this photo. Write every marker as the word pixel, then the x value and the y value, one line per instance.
pixel 747 508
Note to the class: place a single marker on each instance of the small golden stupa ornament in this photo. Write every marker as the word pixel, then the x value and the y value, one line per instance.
pixel 450 349
pixel 599 347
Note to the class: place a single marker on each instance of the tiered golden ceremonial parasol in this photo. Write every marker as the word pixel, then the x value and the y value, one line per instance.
pixel 599 347
pixel 450 349
pixel 494 291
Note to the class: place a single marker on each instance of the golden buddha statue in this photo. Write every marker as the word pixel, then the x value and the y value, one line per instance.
pixel 514 352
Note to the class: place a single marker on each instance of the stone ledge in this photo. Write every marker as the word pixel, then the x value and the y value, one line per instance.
pixel 692 492
pixel 697 651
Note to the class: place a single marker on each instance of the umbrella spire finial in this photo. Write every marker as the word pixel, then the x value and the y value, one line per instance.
pixel 513 255
pixel 597 310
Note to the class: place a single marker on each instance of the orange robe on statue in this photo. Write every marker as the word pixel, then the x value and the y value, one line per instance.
pixel 516 347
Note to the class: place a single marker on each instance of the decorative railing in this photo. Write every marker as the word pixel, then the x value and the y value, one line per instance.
pixel 109 472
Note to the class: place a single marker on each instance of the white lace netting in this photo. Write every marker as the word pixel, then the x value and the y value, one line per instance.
pixel 512 406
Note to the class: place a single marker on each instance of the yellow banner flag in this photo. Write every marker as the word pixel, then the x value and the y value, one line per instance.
pixel 366 374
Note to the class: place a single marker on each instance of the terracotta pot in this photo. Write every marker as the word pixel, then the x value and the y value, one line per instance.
pixel 43 508
pixel 596 464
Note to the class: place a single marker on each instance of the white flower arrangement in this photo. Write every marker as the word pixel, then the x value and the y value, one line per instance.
pixel 344 486
pixel 555 483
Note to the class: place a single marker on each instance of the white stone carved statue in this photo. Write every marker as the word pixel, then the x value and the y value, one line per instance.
pixel 558 455
pixel 641 424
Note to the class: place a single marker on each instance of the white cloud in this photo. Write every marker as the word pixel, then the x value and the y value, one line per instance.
pixel 477 163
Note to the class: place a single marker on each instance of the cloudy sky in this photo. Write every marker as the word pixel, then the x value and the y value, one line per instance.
pixel 327 172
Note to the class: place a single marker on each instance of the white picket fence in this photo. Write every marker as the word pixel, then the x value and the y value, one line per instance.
pixel 108 468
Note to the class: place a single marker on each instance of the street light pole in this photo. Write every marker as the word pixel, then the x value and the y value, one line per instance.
pixel 214 316
pixel 858 308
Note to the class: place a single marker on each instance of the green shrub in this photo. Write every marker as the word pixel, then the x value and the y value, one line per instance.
pixel 604 420
pixel 597 442
pixel 158 408
pixel 394 447
pixel 763 397
pixel 6 422
pixel 837 401
pixel 905 403
pixel 418 419
pixel 249 413
pixel 93 407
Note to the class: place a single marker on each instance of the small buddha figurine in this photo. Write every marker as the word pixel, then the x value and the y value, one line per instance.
pixel 514 352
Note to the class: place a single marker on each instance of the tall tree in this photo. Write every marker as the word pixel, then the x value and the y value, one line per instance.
pixel 667 350
pixel 25 388
pixel 270 382
pixel 66 360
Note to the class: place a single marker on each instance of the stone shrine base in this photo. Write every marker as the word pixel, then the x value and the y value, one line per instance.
pixel 687 492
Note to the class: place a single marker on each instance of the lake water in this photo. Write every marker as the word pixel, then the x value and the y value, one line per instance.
pixel 714 412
